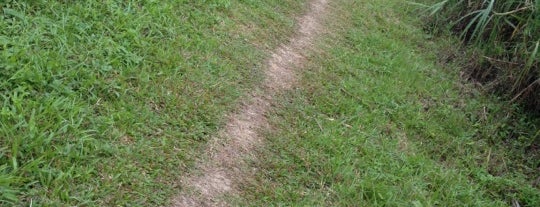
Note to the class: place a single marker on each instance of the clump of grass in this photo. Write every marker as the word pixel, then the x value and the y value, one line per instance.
pixel 508 32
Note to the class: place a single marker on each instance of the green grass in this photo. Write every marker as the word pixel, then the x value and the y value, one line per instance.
pixel 106 103
pixel 377 121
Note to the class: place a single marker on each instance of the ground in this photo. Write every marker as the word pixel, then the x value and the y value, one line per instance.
pixel 246 103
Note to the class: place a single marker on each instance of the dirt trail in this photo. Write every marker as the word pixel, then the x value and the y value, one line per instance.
pixel 224 165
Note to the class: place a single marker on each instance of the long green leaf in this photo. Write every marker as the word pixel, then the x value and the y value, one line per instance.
pixel 15 14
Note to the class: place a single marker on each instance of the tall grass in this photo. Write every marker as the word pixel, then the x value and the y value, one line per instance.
pixel 508 32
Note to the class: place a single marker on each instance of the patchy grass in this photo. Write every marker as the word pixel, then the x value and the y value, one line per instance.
pixel 106 103
pixel 378 122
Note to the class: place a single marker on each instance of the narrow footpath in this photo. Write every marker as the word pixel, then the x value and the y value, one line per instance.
pixel 223 168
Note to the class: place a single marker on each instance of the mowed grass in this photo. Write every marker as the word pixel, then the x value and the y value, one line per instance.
pixel 106 103
pixel 378 122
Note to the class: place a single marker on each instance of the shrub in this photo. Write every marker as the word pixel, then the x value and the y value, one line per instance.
pixel 508 33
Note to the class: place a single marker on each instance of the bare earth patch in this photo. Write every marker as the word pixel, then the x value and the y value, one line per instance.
pixel 224 165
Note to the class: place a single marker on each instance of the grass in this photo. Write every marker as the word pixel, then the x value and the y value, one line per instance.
pixel 106 103
pixel 378 121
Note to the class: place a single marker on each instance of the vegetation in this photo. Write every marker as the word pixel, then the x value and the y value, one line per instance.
pixel 378 121
pixel 508 34
pixel 104 103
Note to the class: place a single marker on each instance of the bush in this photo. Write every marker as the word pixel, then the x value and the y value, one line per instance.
pixel 508 33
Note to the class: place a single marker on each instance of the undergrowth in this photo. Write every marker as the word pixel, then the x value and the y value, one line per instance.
pixel 508 34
